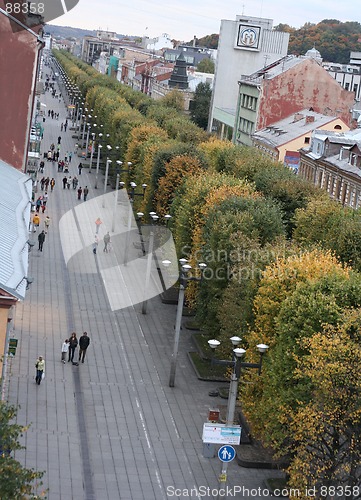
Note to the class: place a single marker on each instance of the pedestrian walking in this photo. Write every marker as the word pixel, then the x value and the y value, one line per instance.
pixel 79 193
pixel 52 184
pixel 106 240
pixel 38 203
pixel 68 182
pixel 61 127
pixel 42 183
pixel 75 182
pixel 73 344
pixel 47 223
pixel 41 239
pixel 65 126
pixel 85 193
pixel 95 244
pixel 59 139
pixel 98 223
pixel 36 222
pixel 40 369
pixel 70 156
pixel 84 342
pixel 65 182
pixel 64 350
pixel 80 166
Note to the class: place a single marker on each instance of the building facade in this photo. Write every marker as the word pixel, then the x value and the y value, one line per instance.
pixel 20 47
pixel 333 163
pixel 245 45
pixel 284 88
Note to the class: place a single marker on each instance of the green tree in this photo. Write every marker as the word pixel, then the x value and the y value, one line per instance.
pixel 16 482
pixel 206 66
pixel 200 105
pixel 327 430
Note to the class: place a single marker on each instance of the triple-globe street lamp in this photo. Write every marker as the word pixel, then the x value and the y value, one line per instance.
pixel 236 365
pixel 184 278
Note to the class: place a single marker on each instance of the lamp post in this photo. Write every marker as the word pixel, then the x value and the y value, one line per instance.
pixel 106 180
pixel 131 195
pixel 237 364
pixel 92 151
pixel 154 218
pixel 98 161
pixel 183 279
pixel 87 138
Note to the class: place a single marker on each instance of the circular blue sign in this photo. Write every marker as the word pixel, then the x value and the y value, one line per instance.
pixel 226 453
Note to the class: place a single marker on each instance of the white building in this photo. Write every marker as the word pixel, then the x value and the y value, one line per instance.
pixel 245 45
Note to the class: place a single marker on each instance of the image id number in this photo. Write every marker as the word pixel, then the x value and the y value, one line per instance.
pixel 24 8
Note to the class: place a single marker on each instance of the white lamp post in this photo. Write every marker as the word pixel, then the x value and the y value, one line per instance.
pixel 183 279
pixel 106 180
pixel 92 151
pixel 98 161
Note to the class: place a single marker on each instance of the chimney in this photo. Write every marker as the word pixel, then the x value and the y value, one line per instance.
pixel 310 119
pixel 297 117
pixel 194 41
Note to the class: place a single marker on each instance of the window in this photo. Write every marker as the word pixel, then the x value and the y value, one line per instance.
pixel 337 127
pixel 307 140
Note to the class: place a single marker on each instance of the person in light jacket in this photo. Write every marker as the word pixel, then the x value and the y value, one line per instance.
pixel 40 369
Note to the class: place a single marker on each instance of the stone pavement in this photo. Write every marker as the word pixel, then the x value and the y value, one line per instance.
pixel 110 428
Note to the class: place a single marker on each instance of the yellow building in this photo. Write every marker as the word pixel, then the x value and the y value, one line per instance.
pixel 283 140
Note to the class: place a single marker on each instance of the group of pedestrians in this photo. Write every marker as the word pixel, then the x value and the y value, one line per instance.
pixel 107 243
pixel 52 114
pixel 84 191
pixel 70 345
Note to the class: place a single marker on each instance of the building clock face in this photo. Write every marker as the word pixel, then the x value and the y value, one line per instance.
pixel 248 36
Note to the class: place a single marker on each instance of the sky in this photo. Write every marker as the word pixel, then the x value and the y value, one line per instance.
pixel 182 19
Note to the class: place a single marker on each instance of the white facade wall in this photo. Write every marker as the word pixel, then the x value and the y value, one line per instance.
pixel 238 56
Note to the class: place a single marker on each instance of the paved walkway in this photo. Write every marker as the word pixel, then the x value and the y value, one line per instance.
pixel 110 428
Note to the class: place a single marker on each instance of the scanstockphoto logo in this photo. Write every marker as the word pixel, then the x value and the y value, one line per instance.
pixel 24 14
pixel 130 265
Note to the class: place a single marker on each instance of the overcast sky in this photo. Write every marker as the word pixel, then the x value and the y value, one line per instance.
pixel 182 19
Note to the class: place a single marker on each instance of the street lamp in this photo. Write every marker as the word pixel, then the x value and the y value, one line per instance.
pixel 92 151
pixel 132 194
pixel 87 137
pixel 183 280
pixel 236 364
pixel 98 161
pixel 106 180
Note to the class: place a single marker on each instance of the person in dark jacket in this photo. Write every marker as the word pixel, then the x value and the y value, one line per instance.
pixel 84 342
pixel 41 239
pixel 73 344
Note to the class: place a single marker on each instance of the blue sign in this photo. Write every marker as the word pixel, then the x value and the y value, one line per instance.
pixel 226 453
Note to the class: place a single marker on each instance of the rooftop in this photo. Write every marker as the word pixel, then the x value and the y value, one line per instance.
pixel 15 198
pixel 292 127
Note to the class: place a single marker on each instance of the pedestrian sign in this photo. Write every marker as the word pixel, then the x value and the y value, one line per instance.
pixel 226 453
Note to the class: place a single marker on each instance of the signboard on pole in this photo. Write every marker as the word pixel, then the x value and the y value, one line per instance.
pixel 221 433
